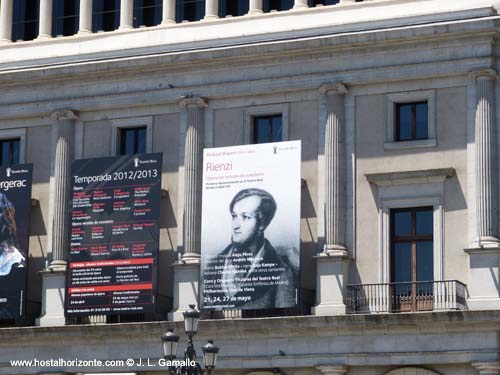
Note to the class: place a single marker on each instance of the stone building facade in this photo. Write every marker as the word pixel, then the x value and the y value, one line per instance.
pixel 341 78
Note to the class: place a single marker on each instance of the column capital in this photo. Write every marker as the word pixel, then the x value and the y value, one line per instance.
pixel 64 114
pixel 332 369
pixel 193 101
pixel 487 368
pixel 483 74
pixel 333 89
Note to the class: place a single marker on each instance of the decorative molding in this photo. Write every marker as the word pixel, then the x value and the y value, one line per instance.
pixel 64 114
pixel 410 177
pixel 193 101
pixel 412 371
pixel 487 368
pixel 333 89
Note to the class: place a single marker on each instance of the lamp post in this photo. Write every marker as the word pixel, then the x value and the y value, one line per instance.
pixel 170 341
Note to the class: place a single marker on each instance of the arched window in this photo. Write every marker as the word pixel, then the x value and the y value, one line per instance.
pixel 411 371
pixel 147 12
pixel 65 14
pixel 25 20
pixel 105 15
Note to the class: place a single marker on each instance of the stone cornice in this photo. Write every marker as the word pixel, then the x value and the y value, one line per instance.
pixel 492 367
pixel 410 177
pixel 332 369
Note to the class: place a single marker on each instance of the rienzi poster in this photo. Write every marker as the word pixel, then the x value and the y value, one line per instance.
pixel 113 239
pixel 251 226
pixel 15 205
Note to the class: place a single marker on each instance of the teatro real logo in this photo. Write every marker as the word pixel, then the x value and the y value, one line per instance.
pixel 275 149
pixel 136 162
pixel 8 172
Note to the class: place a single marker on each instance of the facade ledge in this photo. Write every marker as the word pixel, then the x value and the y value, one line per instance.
pixel 410 177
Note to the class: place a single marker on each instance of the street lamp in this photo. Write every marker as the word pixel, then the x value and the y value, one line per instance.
pixel 170 341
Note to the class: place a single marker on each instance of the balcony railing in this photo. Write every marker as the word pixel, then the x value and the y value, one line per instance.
pixel 406 297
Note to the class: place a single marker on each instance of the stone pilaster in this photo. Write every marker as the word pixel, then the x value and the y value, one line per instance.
pixel 300 4
pixel 487 368
pixel 64 155
pixel 6 7
pixel 85 21
pixel 211 9
pixel 332 369
pixel 126 14
pixel 486 159
pixel 333 95
pixel 45 20
pixel 168 12
pixel 193 155
pixel 255 7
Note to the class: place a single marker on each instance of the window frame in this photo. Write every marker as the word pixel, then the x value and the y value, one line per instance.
pixel 266 110
pixel 393 100
pixel 12 134
pixel 269 118
pixel 134 122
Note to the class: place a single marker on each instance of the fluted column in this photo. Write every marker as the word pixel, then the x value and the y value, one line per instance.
pixel 168 12
pixel 486 159
pixel 255 7
pixel 6 7
pixel 334 168
pixel 193 155
pixel 45 20
pixel 332 369
pixel 85 21
pixel 211 9
pixel 64 155
pixel 126 14
pixel 300 4
pixel 487 368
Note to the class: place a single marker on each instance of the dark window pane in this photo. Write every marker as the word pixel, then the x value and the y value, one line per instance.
pixel 421 121
pixel 190 10
pixel 10 151
pixel 313 3
pixel 401 262
pixel 405 122
pixel 276 129
pixel 278 5
pixel 147 12
pixel 424 223
pixel 24 20
pixel 5 154
pixel 65 15
pixel 106 15
pixel 402 223
pixel 141 141
pixel 15 152
pixel 233 8
pixel 425 261
pixel 263 130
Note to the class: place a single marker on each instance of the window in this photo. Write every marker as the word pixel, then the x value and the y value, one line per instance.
pixel 105 15
pixel 25 20
pixel 233 8
pixel 147 12
pixel 133 140
pixel 278 5
pixel 411 121
pixel 10 152
pixel 412 266
pixel 190 10
pixel 313 3
pixel 65 15
pixel 267 129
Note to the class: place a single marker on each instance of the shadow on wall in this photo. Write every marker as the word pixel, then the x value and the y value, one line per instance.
pixel 308 248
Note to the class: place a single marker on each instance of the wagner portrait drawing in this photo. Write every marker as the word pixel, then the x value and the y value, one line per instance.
pixel 250 273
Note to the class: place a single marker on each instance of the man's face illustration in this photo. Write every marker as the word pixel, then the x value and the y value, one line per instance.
pixel 245 223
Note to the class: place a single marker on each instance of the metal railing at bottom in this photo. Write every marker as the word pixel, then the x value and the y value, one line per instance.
pixel 406 297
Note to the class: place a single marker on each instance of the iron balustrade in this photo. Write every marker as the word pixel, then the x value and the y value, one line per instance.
pixel 406 297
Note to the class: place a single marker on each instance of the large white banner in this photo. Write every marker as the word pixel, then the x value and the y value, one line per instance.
pixel 251 226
